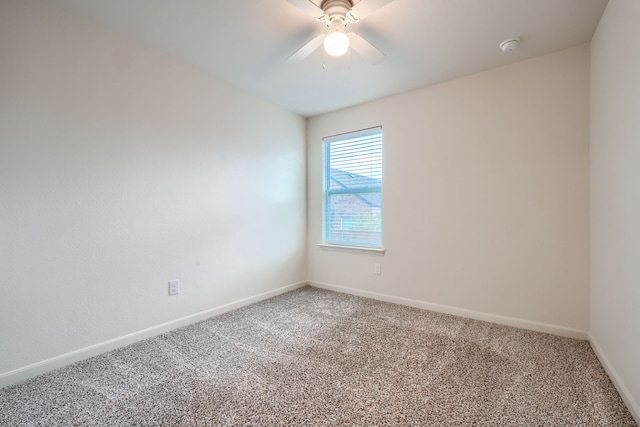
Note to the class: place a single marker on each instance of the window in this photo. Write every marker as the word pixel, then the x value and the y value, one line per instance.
pixel 353 188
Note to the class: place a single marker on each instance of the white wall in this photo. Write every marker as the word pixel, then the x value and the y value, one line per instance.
pixel 485 196
pixel 120 169
pixel 615 196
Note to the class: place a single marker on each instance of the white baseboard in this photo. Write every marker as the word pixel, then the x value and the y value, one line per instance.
pixel 487 317
pixel 634 407
pixel 26 372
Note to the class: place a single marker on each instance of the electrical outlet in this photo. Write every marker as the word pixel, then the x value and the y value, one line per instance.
pixel 174 287
pixel 377 269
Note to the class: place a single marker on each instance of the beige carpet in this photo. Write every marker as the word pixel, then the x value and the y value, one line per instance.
pixel 314 357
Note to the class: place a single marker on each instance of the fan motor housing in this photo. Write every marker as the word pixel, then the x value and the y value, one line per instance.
pixel 336 7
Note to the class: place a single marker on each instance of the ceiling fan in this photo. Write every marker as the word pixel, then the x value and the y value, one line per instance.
pixel 336 16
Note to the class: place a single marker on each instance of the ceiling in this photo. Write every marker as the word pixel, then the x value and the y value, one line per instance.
pixel 246 42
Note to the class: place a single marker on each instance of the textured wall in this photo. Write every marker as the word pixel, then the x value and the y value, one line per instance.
pixel 120 169
pixel 615 195
pixel 485 193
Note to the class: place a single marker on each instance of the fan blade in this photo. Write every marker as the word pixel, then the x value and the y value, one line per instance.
pixel 365 49
pixel 308 7
pixel 365 7
pixel 306 50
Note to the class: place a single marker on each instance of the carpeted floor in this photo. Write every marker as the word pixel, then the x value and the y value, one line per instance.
pixel 314 357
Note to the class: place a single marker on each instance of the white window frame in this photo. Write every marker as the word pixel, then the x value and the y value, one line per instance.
pixel 377 139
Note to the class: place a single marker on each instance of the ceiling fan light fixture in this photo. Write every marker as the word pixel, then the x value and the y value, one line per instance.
pixel 337 15
pixel 337 42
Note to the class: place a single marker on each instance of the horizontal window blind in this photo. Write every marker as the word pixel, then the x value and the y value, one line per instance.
pixel 353 188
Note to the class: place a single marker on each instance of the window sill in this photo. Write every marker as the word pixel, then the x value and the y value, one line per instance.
pixel 359 249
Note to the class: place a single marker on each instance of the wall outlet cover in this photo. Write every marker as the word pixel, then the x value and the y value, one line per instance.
pixel 174 287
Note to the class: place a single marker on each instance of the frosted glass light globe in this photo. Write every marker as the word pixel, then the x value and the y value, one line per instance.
pixel 336 43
